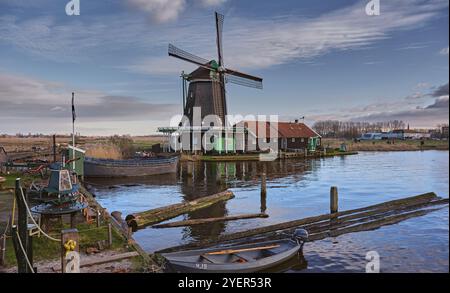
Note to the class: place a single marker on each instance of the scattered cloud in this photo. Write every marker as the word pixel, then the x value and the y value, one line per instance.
pixel 160 10
pixel 422 85
pixel 444 51
pixel 439 103
pixel 247 43
pixel 441 91
pixel 212 2
pixel 415 96
pixel 412 110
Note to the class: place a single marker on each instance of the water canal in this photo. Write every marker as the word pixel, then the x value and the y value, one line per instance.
pixel 298 189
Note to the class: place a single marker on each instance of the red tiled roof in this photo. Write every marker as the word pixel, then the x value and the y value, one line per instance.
pixel 285 129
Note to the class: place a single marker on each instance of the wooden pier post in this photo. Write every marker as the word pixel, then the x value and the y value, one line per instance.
pixel 70 249
pixel 110 240
pixel 263 193
pixel 98 218
pixel 2 250
pixel 22 230
pixel 333 200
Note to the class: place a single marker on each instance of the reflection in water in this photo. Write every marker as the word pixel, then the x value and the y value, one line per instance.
pixel 198 179
pixel 298 189
pixel 297 264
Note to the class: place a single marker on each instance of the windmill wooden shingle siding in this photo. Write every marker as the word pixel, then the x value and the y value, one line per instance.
pixel 207 83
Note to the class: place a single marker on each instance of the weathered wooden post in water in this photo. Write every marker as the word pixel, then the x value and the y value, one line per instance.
pixel 70 251
pixel 110 239
pixel 263 193
pixel 333 200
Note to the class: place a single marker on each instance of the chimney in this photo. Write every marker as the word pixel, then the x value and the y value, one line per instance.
pixel 296 121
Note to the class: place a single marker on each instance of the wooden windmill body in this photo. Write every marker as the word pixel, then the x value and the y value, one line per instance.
pixel 206 90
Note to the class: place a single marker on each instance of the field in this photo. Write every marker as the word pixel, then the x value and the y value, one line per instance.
pixel 383 145
pixel 26 144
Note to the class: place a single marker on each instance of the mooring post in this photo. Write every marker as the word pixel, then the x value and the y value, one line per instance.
pixel 129 234
pixel 110 240
pixel 22 230
pixel 3 250
pixel 263 192
pixel 70 251
pixel 98 218
pixel 333 200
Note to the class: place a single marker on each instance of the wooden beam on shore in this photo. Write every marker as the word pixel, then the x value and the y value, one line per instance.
pixel 209 220
pixel 143 219
pixel 102 260
pixel 328 225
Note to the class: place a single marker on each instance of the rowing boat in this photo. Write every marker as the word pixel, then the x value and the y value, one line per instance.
pixel 247 258
pixel 130 168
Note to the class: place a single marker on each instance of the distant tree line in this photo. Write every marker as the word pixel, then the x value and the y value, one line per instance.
pixel 349 129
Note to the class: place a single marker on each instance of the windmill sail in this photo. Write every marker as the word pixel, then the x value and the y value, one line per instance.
pixel 207 83
pixel 219 29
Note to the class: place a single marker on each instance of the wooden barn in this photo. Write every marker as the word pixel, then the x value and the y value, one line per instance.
pixel 289 136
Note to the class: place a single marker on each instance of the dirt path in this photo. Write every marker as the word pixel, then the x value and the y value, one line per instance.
pixel 122 266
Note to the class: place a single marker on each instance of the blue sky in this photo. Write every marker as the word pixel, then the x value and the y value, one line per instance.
pixel 319 59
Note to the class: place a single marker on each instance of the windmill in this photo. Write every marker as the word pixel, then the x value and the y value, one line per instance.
pixel 207 83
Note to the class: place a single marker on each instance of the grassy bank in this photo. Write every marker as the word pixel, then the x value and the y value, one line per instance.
pixel 45 249
pixel 383 145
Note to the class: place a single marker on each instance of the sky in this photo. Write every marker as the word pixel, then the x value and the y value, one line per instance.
pixel 319 59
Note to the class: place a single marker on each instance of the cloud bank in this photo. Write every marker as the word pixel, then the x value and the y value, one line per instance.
pixel 38 105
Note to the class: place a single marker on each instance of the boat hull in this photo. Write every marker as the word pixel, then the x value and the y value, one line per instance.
pixel 129 168
pixel 185 262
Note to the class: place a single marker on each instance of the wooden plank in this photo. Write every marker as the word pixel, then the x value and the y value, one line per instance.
pixel 107 259
pixel 102 260
pixel 209 220
pixel 229 251
pixel 325 219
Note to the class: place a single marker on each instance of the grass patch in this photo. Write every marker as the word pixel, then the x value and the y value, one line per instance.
pixel 26 179
pixel 46 249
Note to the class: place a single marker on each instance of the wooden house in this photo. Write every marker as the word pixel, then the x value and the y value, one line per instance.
pixel 288 136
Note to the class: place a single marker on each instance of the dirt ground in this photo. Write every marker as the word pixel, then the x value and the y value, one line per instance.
pixel 19 144
pixel 54 266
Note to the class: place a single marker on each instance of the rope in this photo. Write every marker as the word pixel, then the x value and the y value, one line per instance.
pixel 32 219
pixel 24 253
pixel 6 228
pixel 13 211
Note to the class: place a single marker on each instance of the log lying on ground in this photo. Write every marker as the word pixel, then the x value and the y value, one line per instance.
pixel 209 220
pixel 367 218
pixel 102 260
pixel 143 219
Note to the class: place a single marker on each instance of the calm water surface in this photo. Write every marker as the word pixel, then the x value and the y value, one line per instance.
pixel 298 189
